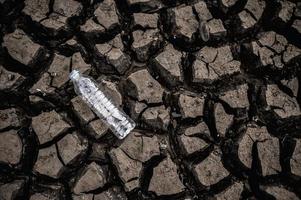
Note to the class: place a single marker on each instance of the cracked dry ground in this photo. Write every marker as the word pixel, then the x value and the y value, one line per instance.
pixel 212 85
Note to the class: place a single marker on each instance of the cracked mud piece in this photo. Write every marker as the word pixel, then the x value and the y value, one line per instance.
pixel 295 160
pixel 232 192
pixel 128 168
pixel 92 177
pixel 165 179
pixel 191 106
pixel 168 64
pixel 11 190
pixel 21 47
pixel 281 103
pixel 10 147
pixel 82 110
pixel 146 20
pixel 268 149
pixel 144 87
pixel 129 156
pixel 157 117
pixel 10 80
pixel 71 147
pixel 114 193
pixel 113 52
pixel 145 43
pixel 189 142
pixel 10 118
pixel 280 193
pixel 213 63
pixel 222 119
pixel 184 22
pixel 36 9
pixel 48 125
pixel 237 98
pixel 48 162
pixel 106 14
pixel 210 170
pixel 252 13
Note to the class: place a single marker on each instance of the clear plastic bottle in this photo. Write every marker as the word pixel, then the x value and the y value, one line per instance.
pixel 120 124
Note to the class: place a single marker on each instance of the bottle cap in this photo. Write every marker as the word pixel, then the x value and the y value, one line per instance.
pixel 74 75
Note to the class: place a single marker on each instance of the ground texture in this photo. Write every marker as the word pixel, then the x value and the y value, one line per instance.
pixel 212 85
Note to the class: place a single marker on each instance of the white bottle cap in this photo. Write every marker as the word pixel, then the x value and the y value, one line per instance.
pixel 74 75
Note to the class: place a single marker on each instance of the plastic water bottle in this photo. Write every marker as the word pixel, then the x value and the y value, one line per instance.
pixel 120 124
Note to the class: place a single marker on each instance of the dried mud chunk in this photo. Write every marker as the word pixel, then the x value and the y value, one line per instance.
pixel 10 147
pixel 228 3
pixel 269 49
pixel 43 85
pixel 135 149
pixel 128 168
pixel 59 70
pixel 233 192
pixel 191 106
pixel 106 14
pixel 93 177
pixel 114 193
pixel 268 150
pixel 189 142
pixel 113 51
pixel 54 21
pixel 83 197
pixel 251 13
pixel 281 193
pixel 9 191
pixel 287 10
pixel 145 87
pixel 284 105
pixel 202 11
pixel 48 162
pixel 168 64
pixel 157 117
pixel 295 160
pixel 145 42
pixel 91 26
pixel 10 118
pixel 71 147
pixel 212 63
pixel 82 110
pixel 79 64
pixel 10 80
pixel 291 53
pixel 165 179
pixel 237 98
pixel 185 22
pixel 20 46
pixel 67 8
pixel 211 170
pixel 216 27
pixel 97 128
pixel 246 19
pixel 36 9
pixel 48 125
pixel 140 147
pixel 146 20
pixel 136 108
pixel 222 119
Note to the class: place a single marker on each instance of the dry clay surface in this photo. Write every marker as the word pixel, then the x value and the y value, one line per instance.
pixel 212 85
